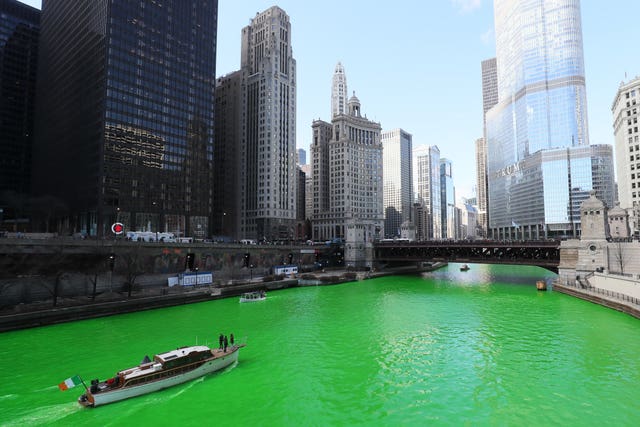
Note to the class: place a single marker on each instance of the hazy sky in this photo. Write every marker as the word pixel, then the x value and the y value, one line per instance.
pixel 415 64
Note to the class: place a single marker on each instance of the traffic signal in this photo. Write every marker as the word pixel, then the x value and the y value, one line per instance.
pixel 247 257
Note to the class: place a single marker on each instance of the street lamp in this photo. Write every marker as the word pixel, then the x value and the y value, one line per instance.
pixel 224 214
pixel 196 277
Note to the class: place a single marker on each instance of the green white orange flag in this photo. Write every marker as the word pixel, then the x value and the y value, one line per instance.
pixel 70 382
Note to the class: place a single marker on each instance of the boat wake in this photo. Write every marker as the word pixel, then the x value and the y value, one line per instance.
pixel 46 414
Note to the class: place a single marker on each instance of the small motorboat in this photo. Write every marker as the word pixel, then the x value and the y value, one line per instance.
pixel 464 267
pixel 253 296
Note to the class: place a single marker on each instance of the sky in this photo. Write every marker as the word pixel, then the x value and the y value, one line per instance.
pixel 415 64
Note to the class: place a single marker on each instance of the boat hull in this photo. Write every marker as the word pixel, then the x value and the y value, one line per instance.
pixel 252 299
pixel 116 395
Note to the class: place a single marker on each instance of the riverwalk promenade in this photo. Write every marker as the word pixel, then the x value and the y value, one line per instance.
pixel 42 313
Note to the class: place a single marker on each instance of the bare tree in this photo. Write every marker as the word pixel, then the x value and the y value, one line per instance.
pixel 620 254
pixel 4 287
pixel 132 262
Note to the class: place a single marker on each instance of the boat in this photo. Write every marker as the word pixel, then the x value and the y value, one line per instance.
pixel 464 267
pixel 165 370
pixel 541 285
pixel 253 296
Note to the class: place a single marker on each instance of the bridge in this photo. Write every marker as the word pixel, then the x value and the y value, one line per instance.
pixel 541 253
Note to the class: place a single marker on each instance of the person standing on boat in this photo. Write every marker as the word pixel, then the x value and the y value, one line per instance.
pixel 226 343
pixel 231 339
pixel 221 341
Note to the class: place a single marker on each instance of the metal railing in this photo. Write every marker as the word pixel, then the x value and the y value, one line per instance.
pixel 611 294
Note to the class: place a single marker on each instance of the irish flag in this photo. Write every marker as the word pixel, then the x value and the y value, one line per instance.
pixel 70 382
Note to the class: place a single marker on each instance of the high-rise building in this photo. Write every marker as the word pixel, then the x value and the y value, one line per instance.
pixel 489 86
pixel 542 106
pixel 447 200
pixel 19 31
pixel 398 175
pixel 124 122
pixel 489 100
pixel 339 95
pixel 226 157
pixel 625 127
pixel 268 156
pixel 347 178
pixel 426 184
pixel 481 187
pixel 308 190
pixel 302 156
pixel 468 219
pixel 301 214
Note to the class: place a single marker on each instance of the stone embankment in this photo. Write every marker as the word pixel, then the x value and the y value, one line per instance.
pixel 69 309
pixel 605 291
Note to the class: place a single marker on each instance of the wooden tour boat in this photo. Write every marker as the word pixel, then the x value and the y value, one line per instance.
pixel 165 370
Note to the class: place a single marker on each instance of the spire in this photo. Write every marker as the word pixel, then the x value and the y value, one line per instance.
pixel 339 91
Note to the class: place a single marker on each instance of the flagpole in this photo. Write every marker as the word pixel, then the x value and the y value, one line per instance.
pixel 85 386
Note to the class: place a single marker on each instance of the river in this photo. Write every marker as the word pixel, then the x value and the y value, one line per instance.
pixel 480 347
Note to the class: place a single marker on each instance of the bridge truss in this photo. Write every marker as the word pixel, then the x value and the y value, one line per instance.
pixel 544 254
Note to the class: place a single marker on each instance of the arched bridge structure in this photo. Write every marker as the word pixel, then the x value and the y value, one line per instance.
pixel 544 254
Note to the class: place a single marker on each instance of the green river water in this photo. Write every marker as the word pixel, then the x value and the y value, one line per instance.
pixel 481 347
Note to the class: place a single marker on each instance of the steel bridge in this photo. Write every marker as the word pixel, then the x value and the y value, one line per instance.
pixel 541 253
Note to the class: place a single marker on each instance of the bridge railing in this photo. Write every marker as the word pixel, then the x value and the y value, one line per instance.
pixel 444 242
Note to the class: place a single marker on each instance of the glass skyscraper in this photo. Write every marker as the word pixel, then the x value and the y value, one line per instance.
pixel 124 127
pixel 447 200
pixel 19 31
pixel 541 106
pixel 397 173
pixel 426 184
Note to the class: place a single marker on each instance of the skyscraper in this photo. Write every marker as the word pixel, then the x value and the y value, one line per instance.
pixel 339 91
pixel 426 184
pixel 19 31
pixel 124 123
pixel 227 149
pixel 447 200
pixel 398 175
pixel 625 127
pixel 489 100
pixel 302 156
pixel 268 158
pixel 481 185
pixel 347 180
pixel 541 106
pixel 489 86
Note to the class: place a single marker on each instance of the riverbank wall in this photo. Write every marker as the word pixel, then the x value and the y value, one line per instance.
pixel 26 316
pixel 583 289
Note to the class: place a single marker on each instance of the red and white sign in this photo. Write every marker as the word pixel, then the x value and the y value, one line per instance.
pixel 117 228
